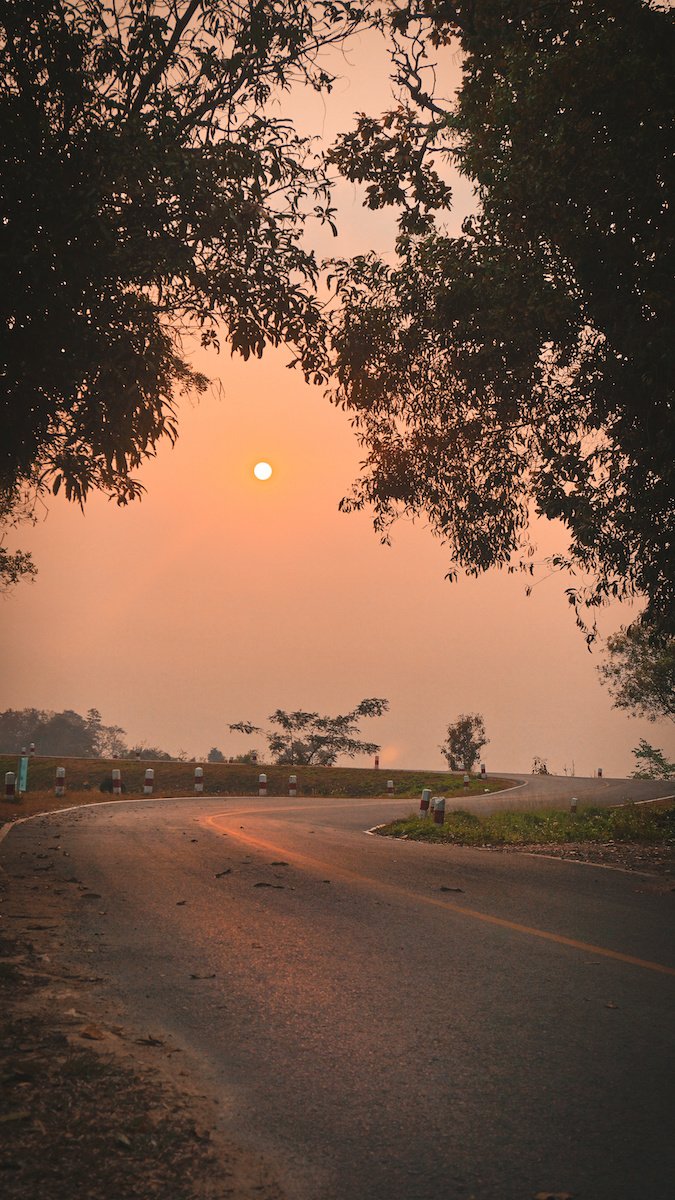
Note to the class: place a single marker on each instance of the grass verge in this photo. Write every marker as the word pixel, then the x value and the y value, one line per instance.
pixel 90 779
pixel 629 823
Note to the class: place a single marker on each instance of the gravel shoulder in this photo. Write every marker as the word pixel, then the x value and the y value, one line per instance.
pixel 89 1107
pixel 657 861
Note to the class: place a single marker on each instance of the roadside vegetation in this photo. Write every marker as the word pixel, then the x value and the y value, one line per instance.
pixel 628 823
pixel 88 780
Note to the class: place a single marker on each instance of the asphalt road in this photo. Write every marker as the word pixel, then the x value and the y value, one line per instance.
pixel 385 1020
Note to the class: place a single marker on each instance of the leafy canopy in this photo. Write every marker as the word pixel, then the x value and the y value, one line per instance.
pixel 306 738
pixel 524 367
pixel 150 188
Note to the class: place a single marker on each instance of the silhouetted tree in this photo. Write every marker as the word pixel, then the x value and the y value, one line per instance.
pixel 306 738
pixel 215 755
pixel 524 367
pixel 464 742
pixel 149 185
pixel 639 671
pixel 651 763
pixel 65 733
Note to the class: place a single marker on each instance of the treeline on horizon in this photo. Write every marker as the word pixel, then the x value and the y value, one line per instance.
pixel 69 734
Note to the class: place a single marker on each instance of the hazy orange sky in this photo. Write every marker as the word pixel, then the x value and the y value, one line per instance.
pixel 220 598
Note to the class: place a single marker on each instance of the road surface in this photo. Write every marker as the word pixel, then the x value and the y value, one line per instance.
pixel 385 1020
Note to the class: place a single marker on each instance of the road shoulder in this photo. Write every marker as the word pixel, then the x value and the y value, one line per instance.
pixel 90 1105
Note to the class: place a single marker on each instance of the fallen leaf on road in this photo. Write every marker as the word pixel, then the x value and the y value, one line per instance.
pixel 269 885
pixel 91 896
pixel 179 902
pixel 203 976
pixel 92 1033
pixel 149 1041
pixel 122 1140
pixel 19 1114
pixel 280 863
pixel 554 1196
pixel 611 1004
pixel 450 889
pixel 227 871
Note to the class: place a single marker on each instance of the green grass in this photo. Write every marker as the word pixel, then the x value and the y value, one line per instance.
pixel 90 779
pixel 629 823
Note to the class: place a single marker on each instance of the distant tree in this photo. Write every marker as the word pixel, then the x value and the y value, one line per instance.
pixel 20 727
pixel 215 755
pixel 639 671
pixel 540 766
pixel 148 753
pixel 108 740
pixel 251 757
pixel 651 763
pixel 464 742
pixel 66 733
pixel 306 738
pixel 149 185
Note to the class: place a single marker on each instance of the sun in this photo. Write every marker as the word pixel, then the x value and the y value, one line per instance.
pixel 262 470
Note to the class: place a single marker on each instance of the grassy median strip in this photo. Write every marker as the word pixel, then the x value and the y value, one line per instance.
pixel 629 823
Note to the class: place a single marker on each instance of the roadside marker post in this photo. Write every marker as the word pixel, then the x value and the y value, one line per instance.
pixel 293 785
pixel 262 785
pixel 482 769
pixel 599 772
pixel 425 800
pixel 439 810
pixel 390 788
pixel 199 779
pixel 467 781
pixel 10 785
pixel 573 806
pixel 22 777
pixel 117 781
pixel 60 784
pixel 377 762
pixel 149 782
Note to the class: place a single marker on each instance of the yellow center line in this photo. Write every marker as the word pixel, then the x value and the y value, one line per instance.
pixel 214 821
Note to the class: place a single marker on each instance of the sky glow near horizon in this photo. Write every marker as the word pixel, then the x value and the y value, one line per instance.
pixel 217 600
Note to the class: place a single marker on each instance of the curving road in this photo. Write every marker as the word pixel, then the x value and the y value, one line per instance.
pixel 386 1020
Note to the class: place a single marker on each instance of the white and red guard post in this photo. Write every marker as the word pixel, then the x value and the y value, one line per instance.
pixel 199 780
pixel 60 782
pixel 117 781
pixel 262 785
pixel 149 782
pixel 293 785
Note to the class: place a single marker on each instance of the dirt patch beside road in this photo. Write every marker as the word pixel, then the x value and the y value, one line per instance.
pixel 652 860
pixel 89 1108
